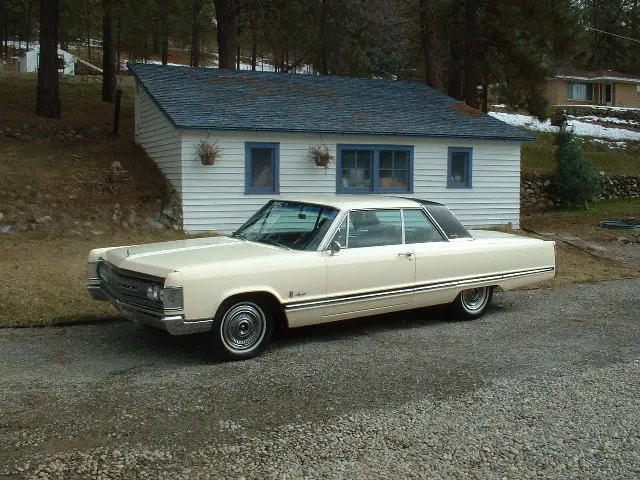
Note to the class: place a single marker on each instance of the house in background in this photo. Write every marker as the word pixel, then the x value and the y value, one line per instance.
pixel 594 88
pixel 29 61
pixel 387 137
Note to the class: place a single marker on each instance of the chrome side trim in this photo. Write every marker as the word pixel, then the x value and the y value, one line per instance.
pixel 468 282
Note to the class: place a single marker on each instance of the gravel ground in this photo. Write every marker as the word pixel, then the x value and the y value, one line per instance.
pixel 546 385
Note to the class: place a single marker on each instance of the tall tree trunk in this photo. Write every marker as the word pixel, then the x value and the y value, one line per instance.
pixel 426 36
pixel 29 22
pixel 118 38
pixel 470 69
pixel 324 12
pixel 455 68
pixel 155 37
pixel 237 56
pixel 195 33
pixel 108 54
pixel 164 30
pixel 48 94
pixel 4 27
pixel 227 25
pixel 88 19
pixel 254 51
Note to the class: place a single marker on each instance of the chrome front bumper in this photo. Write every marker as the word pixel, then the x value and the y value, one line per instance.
pixel 174 324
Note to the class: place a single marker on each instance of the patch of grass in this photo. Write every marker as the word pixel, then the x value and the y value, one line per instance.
pixel 44 280
pixel 583 222
pixel 539 156
pixel 577 266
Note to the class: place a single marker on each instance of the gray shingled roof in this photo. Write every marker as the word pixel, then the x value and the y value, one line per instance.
pixel 213 99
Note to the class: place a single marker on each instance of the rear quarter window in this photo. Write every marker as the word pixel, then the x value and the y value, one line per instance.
pixel 448 222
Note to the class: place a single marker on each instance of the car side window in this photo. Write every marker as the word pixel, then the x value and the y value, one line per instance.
pixel 419 229
pixel 341 234
pixel 372 228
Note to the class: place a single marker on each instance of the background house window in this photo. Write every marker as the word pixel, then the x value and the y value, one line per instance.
pixel 261 167
pixel 374 168
pixel 580 91
pixel 638 92
pixel 459 167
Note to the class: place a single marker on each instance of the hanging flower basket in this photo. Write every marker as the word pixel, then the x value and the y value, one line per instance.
pixel 321 156
pixel 209 153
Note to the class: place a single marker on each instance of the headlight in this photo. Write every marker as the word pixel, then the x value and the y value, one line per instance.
pixel 153 293
pixel 171 298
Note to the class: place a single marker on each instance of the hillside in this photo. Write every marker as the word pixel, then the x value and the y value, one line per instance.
pixel 57 174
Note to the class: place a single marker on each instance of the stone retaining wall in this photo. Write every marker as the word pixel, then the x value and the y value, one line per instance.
pixel 537 191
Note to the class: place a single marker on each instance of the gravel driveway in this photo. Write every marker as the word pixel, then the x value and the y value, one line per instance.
pixel 546 385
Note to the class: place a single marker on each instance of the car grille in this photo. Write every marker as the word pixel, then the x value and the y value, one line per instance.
pixel 129 287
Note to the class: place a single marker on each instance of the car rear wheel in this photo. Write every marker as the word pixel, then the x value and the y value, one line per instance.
pixel 473 302
pixel 242 329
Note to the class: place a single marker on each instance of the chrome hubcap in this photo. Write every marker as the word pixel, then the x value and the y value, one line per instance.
pixel 475 298
pixel 243 327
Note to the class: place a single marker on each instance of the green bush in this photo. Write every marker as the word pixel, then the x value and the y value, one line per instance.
pixel 576 180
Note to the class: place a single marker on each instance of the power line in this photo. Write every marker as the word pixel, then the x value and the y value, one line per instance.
pixel 614 34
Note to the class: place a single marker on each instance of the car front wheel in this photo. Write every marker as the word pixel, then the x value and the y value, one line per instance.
pixel 242 329
pixel 473 302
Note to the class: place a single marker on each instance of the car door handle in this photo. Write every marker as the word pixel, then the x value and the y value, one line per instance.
pixel 406 254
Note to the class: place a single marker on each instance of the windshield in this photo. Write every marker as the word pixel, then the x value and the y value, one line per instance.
pixel 299 226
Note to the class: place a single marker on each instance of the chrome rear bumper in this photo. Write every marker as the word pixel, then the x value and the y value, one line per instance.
pixel 174 324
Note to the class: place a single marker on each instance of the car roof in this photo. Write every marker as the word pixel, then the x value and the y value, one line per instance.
pixel 354 202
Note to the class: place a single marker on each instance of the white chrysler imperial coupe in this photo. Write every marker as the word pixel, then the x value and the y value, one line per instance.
pixel 312 260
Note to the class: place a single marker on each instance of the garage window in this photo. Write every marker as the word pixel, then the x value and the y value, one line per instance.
pixel 459 168
pixel 374 169
pixel 261 168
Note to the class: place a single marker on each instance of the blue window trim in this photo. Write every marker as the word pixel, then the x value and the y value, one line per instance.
pixel 375 168
pixel 248 167
pixel 468 182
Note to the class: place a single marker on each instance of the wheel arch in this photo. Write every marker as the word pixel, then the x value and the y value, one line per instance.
pixel 266 296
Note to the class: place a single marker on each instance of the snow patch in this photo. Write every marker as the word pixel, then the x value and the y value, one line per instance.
pixel 580 128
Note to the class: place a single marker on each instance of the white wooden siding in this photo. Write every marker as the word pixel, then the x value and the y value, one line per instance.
pixel 159 139
pixel 214 198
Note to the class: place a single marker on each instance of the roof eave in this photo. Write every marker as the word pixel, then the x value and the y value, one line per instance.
pixel 526 138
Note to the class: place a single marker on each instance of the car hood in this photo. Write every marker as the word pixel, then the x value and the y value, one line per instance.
pixel 160 259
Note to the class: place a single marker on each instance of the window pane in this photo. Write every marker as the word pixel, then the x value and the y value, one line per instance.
pixel 386 159
pixel 459 167
pixel 401 178
pixel 262 167
pixel 295 225
pixel 386 178
pixel 419 229
pixel 448 222
pixel 341 234
pixel 348 159
pixel 400 160
pixel 356 168
pixel 371 228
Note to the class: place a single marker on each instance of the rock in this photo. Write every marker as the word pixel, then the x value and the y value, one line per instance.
pixel 97 232
pixel 44 219
pixel 153 223
pixel 94 132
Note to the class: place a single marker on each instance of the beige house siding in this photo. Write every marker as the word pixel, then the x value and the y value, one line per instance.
pixel 624 94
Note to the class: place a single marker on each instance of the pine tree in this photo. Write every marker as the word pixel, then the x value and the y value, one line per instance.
pixel 576 180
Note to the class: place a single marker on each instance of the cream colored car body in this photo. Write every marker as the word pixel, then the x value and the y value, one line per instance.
pixel 320 286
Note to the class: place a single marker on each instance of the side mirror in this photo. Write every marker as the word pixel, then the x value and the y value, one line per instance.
pixel 334 247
